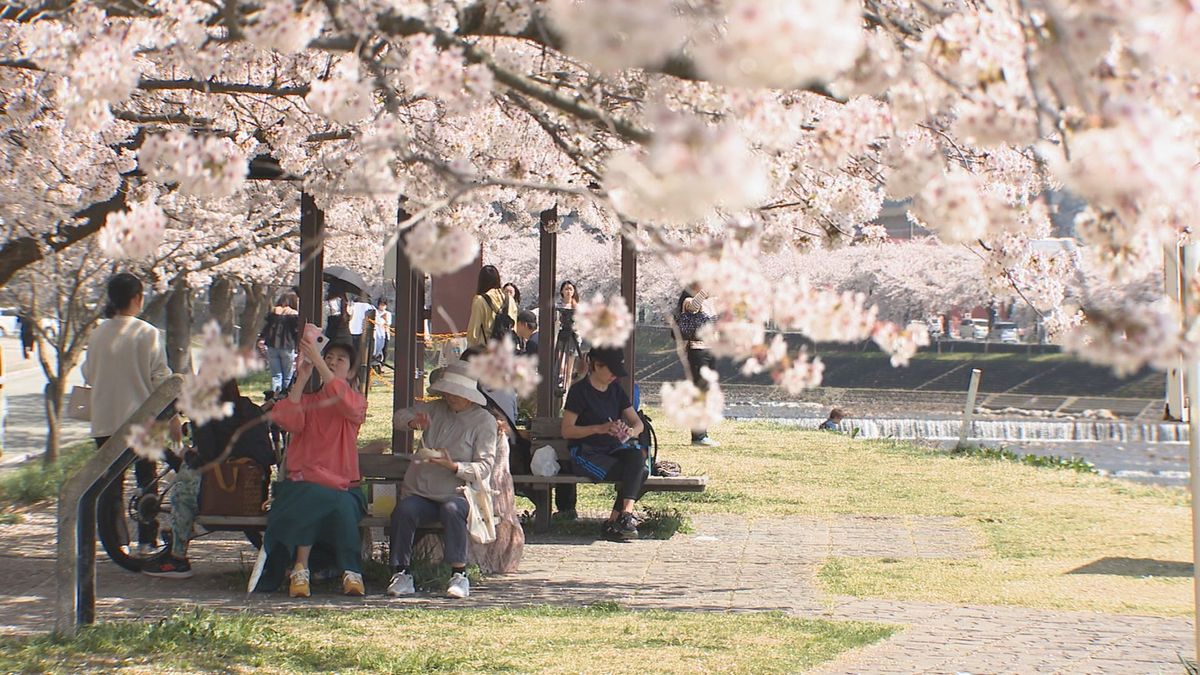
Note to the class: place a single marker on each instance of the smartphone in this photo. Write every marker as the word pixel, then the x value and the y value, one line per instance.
pixel 314 334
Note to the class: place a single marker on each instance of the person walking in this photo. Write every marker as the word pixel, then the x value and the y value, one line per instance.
pixel 280 334
pixel 692 312
pixel 125 363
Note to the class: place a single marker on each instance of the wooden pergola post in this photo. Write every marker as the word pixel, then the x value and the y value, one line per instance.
pixel 312 259
pixel 547 272
pixel 629 292
pixel 406 320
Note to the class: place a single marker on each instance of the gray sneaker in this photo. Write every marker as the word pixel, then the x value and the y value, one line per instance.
pixel 401 584
pixel 460 586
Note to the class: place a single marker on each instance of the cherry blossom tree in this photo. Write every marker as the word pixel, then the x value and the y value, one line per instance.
pixel 712 133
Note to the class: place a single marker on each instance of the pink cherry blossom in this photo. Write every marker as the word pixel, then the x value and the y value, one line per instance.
pixel 604 323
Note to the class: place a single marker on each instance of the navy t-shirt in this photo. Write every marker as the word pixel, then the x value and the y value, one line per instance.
pixel 596 407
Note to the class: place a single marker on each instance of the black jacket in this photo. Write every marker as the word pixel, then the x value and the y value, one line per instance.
pixel 255 441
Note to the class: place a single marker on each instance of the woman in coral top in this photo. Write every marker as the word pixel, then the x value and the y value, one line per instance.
pixel 320 503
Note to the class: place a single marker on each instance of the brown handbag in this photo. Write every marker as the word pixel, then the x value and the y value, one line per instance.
pixel 237 487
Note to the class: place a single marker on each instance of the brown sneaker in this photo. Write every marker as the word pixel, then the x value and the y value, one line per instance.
pixel 352 584
pixel 298 588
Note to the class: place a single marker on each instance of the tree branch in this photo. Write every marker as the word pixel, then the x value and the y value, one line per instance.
pixel 19 252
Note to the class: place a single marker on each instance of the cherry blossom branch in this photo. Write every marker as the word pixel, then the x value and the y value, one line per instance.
pixel 210 87
pixel 19 252
pixel 555 132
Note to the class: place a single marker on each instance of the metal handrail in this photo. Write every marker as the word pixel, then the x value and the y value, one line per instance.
pixel 76 567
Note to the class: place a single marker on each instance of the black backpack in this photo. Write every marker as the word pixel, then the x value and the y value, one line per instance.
pixel 503 324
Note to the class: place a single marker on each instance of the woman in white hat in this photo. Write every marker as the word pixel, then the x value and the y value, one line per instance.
pixel 459 444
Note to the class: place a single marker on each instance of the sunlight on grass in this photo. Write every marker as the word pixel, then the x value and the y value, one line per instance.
pixel 428 640
pixel 1036 524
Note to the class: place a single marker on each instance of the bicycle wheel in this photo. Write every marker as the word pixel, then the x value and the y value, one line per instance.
pixel 134 523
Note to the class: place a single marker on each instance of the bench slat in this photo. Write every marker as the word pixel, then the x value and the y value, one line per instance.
pixel 653 483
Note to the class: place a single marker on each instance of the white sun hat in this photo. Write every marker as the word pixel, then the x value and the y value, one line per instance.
pixel 457 381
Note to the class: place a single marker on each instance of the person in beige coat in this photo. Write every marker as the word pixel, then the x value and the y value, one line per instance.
pixel 125 362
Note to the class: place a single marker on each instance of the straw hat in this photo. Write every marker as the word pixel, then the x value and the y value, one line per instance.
pixel 456 380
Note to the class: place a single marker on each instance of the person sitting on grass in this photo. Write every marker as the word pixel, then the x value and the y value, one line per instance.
pixel 602 431
pixel 321 502
pixel 835 417
pixel 248 433
pixel 458 439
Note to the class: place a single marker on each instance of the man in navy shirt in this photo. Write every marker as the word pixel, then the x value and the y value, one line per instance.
pixel 527 331
pixel 602 429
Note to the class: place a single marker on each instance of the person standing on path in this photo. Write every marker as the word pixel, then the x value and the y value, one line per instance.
pixel 383 329
pixel 125 362
pixel 489 302
pixel 280 335
pixel 360 313
pixel 568 342
pixel 692 312
pixel 26 334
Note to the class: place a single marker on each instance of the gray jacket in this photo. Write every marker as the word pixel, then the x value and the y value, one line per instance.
pixel 468 436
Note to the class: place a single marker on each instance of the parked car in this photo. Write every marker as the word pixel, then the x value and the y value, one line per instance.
pixel 973 329
pixel 1005 331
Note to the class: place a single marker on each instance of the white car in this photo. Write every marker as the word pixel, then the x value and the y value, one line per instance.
pixel 973 329
pixel 1005 331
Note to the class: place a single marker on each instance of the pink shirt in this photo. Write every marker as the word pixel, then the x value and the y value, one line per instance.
pixel 324 428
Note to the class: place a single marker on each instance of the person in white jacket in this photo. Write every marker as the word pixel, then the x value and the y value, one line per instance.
pixel 125 362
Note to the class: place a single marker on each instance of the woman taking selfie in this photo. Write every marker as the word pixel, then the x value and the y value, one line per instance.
pixel 320 503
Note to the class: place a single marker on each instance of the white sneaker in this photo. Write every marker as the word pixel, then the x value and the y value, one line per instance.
pixel 459 587
pixel 401 584
pixel 146 550
pixel 707 442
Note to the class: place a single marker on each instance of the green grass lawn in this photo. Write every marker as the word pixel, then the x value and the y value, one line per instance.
pixel 1036 525
pixel 544 639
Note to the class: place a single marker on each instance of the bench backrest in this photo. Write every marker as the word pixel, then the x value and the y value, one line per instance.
pixel 382 467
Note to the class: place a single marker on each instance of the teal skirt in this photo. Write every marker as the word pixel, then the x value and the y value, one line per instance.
pixel 307 514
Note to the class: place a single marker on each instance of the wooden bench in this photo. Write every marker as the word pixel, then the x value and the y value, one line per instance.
pixel 545 431
pixel 375 468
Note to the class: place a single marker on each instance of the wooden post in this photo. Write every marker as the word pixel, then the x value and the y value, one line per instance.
pixel 969 409
pixel 547 272
pixel 1190 307
pixel 629 292
pixel 312 259
pixel 404 318
pixel 75 570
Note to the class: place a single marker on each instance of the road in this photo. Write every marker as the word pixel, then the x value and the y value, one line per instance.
pixel 23 431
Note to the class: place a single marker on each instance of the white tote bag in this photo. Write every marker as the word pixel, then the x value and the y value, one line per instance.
pixel 79 405
pixel 481 524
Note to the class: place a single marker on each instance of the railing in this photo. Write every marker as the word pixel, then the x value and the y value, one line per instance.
pixel 76 568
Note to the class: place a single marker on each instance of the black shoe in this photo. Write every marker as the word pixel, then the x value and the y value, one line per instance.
pixel 626 525
pixel 609 531
pixel 168 567
pixel 570 514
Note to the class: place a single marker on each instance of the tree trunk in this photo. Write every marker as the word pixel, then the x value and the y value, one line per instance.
pixel 220 303
pixel 53 402
pixel 179 328
pixel 257 303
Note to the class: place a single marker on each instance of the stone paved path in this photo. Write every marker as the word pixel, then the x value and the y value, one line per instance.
pixel 726 564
